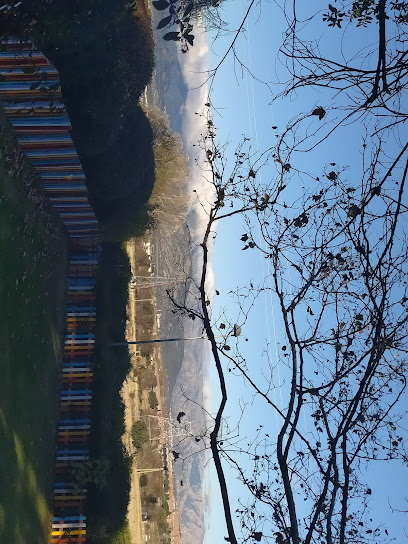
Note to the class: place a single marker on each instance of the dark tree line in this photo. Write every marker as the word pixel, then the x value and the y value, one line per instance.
pixel 104 55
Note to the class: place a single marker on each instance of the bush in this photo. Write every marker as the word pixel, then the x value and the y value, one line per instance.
pixel 146 378
pixel 151 499
pixel 166 506
pixel 153 402
pixel 161 520
pixel 146 350
pixel 91 471
pixel 143 480
pixel 140 434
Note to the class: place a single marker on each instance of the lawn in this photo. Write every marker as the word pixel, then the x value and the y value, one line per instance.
pixel 32 290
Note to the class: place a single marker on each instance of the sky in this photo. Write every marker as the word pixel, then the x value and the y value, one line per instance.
pixel 242 107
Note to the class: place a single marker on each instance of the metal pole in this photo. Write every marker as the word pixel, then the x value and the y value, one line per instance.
pixel 156 341
pixel 235 332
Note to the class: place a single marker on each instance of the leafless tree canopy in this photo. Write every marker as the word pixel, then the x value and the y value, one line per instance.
pixel 343 308
pixel 336 247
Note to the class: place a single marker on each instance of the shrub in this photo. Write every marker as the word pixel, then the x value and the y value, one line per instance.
pixel 153 402
pixel 140 434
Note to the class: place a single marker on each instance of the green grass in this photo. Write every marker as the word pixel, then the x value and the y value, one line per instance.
pixel 122 536
pixel 32 286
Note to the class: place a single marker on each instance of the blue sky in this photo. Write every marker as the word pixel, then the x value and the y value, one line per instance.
pixel 242 106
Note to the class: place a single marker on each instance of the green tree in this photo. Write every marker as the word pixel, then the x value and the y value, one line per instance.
pixel 140 434
pixel 153 402
pixel 146 378
pixel 161 520
pixel 182 15
pixel 124 166
pixel 146 350
pixel 91 471
pixel 151 499
pixel 99 534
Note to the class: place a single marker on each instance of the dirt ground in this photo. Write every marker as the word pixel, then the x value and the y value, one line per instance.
pixel 130 396
pixel 135 406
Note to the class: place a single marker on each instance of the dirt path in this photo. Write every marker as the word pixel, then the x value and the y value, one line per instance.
pixel 130 396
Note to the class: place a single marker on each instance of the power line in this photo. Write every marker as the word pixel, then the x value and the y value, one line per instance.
pixel 252 118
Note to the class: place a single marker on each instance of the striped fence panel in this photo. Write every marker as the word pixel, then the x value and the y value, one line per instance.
pixel 31 98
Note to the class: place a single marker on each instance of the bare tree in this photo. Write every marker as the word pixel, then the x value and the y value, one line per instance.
pixel 338 265
pixel 168 198
pixel 364 77
pixel 336 252
pixel 369 77
pixel 375 74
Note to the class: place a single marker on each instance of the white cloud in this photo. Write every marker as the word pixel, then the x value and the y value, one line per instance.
pixel 194 65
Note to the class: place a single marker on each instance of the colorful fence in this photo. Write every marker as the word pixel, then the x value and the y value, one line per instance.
pixel 31 98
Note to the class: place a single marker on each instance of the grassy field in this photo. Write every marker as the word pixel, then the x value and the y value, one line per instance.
pixel 32 287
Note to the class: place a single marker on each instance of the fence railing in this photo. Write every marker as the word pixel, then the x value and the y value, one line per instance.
pixel 31 98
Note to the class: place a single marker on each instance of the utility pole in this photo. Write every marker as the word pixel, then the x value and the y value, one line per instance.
pixel 236 331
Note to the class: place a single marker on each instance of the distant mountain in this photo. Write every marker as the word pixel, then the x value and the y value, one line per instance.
pixel 188 397
pixel 186 361
pixel 168 89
